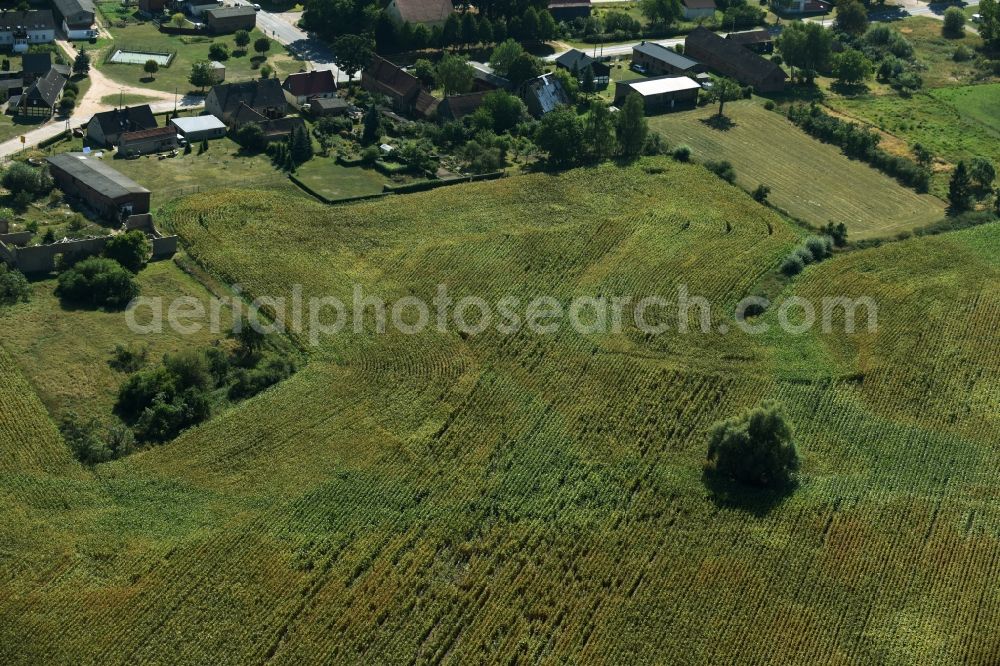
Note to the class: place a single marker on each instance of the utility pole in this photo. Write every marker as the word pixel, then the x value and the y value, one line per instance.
pixel 175 101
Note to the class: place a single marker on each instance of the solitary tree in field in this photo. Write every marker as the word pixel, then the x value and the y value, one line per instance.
pixel 178 19
pixel 151 67
pixel 242 40
pixel 262 45
pixel 755 448
pixel 852 67
pixel 960 189
pixel 954 22
pixel 725 90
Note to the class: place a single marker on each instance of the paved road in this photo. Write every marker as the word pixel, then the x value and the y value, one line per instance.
pixel 310 49
pixel 935 10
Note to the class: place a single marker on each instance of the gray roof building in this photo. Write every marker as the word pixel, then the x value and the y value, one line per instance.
pixel 543 94
pixel 96 174
pixel 113 194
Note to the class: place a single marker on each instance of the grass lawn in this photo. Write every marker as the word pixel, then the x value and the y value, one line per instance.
pixel 334 181
pixel 811 180
pixel 64 352
pixel 127 100
pixel 935 52
pixel 190 49
pixel 221 166
pixel 954 123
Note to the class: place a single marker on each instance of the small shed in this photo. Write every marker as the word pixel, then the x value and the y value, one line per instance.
pixel 328 106
pixel 218 70
pixel 199 128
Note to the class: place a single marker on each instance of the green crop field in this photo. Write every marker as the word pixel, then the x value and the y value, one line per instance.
pixel 811 180
pixel 536 498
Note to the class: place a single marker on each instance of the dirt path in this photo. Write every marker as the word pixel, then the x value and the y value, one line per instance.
pixel 101 86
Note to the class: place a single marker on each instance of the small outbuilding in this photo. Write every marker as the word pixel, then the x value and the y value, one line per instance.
pixel 663 93
pixel 420 12
pixel 199 128
pixel 224 20
pixel 218 71
pixel 112 194
pixel 696 9
pixel 329 106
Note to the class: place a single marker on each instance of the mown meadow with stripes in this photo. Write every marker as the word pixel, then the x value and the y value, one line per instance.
pixel 530 498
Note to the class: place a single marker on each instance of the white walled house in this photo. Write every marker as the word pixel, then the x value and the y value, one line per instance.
pixel 77 18
pixel 21 29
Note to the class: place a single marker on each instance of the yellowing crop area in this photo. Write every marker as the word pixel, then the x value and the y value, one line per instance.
pixel 538 498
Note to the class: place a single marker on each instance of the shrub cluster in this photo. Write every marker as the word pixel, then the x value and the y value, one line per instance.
pixel 13 286
pixel 98 282
pixel 812 250
pixel 860 143
pixel 162 401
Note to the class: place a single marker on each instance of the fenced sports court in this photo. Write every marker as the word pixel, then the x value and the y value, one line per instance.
pixel 126 56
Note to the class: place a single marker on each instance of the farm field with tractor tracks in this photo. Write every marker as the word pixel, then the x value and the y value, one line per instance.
pixel 523 498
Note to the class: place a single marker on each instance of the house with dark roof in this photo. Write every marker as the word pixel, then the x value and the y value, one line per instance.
pixel 576 62
pixel 484 78
pixel 567 10
pixel 653 59
pixel 112 194
pixel 21 29
pixel 263 97
pixel 426 12
pixel 543 94
pixel 456 107
pixel 41 97
pixel 224 20
pixel 304 87
pixel 758 41
pixel 35 66
pixel 105 128
pixel 143 142
pixel 693 10
pixel 730 59
pixel 402 89
pixel 77 17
